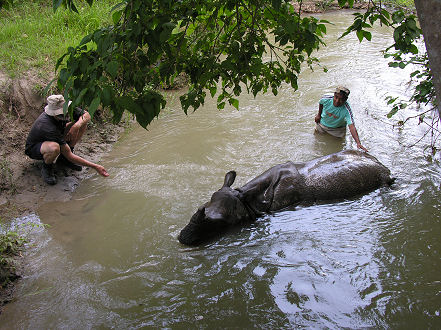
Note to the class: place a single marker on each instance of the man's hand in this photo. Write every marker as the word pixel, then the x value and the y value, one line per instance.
pixel 317 118
pixel 359 146
pixel 101 170
pixel 354 134
pixel 65 150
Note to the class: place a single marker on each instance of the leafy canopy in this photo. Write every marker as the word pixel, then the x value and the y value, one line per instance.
pixel 222 46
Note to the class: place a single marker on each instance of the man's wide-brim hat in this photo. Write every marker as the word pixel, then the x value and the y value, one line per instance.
pixel 55 105
pixel 343 90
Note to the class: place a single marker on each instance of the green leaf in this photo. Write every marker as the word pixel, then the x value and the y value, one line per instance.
pixel 413 49
pixel 411 24
pixel 56 4
pixel 367 35
pixel 341 3
pixel 84 64
pixel 112 68
pixel 392 112
pixel 116 16
pixel 86 39
pixel 94 105
pixel 360 35
pixel 106 95
pixel 234 103
pixel 397 16
pixel 191 28
pixel 46 89
pixel 213 91
pixel 276 4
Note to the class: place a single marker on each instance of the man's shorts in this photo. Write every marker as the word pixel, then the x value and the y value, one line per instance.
pixel 337 132
pixel 34 151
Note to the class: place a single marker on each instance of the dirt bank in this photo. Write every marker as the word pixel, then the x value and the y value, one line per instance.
pixel 21 186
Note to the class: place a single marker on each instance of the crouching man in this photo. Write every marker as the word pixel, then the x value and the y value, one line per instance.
pixel 53 136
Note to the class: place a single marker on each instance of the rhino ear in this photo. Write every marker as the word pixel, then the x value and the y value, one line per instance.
pixel 229 179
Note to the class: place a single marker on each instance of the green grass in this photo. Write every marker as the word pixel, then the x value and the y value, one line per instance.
pixel 11 244
pixel 32 36
pixel 400 3
pixel 6 180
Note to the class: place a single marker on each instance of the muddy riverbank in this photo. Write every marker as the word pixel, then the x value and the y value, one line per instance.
pixel 21 185
pixel 22 189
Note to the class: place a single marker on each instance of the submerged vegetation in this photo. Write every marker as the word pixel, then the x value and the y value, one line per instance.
pixel 13 239
pixel 11 244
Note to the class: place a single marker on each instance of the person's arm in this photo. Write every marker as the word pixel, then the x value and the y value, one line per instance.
pixel 354 134
pixel 319 115
pixel 74 129
pixel 67 153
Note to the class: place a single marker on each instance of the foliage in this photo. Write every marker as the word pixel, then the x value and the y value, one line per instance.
pixel 222 46
pixel 404 52
pixel 11 244
pixel 6 180
pixel 6 3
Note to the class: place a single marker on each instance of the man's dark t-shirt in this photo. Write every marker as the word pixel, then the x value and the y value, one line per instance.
pixel 47 128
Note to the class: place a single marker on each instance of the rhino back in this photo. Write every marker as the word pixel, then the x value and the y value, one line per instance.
pixel 344 174
pixel 279 187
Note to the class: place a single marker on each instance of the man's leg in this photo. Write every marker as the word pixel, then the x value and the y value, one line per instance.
pixel 72 140
pixel 50 151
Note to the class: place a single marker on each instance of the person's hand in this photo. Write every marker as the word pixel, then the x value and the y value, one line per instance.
pixel 101 171
pixel 317 119
pixel 359 146
pixel 72 134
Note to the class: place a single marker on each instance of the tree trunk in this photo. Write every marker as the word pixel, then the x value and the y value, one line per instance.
pixel 429 14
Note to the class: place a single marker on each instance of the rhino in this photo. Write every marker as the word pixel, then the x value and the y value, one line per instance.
pixel 336 176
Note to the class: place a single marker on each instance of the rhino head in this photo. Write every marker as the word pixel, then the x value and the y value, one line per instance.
pixel 225 209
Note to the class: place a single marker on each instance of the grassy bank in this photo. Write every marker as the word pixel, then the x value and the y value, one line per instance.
pixel 33 37
pixel 402 3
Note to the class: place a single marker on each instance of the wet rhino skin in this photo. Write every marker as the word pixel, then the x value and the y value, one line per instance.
pixel 341 175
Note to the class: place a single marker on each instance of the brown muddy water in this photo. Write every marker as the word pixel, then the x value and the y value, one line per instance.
pixel 111 259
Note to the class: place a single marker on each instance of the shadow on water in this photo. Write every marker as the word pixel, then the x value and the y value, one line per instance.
pixel 111 259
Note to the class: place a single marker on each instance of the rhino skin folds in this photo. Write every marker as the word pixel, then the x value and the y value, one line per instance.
pixel 341 175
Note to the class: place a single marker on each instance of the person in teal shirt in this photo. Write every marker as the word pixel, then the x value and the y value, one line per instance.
pixel 335 114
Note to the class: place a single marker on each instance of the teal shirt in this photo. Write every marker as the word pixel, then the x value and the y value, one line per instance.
pixel 335 116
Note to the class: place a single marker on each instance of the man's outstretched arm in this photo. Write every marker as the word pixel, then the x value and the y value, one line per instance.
pixel 354 134
pixel 67 153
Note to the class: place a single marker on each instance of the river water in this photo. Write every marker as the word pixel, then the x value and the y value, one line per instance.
pixel 110 257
